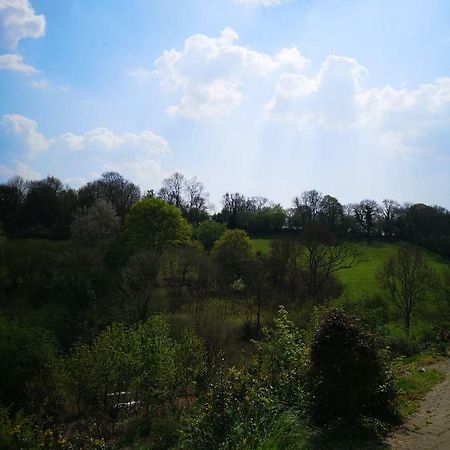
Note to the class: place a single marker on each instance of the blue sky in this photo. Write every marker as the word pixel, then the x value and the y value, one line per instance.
pixel 265 97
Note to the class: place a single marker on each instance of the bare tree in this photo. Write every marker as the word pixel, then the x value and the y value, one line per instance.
pixel 172 189
pixel 408 279
pixel 322 257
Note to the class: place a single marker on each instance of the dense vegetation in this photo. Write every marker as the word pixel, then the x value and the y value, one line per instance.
pixel 145 321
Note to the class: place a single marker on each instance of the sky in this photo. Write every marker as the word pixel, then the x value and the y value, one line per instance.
pixel 262 97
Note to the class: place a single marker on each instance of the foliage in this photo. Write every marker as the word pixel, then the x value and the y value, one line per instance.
pixel 208 232
pixel 233 252
pixel 153 224
pixel 348 377
pixel 241 404
pixel 27 359
pixel 95 224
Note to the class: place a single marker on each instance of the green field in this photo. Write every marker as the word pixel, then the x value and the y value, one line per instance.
pixel 360 280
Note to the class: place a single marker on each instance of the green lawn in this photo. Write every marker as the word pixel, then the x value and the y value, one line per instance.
pixel 360 280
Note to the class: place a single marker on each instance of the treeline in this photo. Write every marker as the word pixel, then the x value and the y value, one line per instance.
pixel 46 208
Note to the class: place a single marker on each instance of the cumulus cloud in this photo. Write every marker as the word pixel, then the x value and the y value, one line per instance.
pixel 103 139
pixel 409 120
pixel 136 155
pixel 404 120
pixel 27 130
pixel 18 20
pixel 15 63
pixel 326 99
pixel 209 72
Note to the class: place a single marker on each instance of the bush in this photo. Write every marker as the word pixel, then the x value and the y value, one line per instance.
pixel 348 377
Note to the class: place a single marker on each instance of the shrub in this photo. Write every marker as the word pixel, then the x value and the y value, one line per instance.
pixel 348 377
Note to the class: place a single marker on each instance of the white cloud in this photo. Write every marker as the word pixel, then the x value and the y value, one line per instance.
pixel 217 98
pixel 15 63
pixel 261 2
pixel 410 120
pixel 326 99
pixel 406 121
pixel 140 171
pixel 103 139
pixel 26 129
pixel 26 171
pixel 135 155
pixel 18 20
pixel 209 72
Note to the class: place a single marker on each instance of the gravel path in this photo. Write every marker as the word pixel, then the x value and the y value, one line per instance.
pixel 429 428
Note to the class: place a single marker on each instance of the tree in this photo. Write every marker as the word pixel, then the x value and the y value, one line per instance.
pixel 27 356
pixel 98 223
pixel 407 278
pixel 348 377
pixel 196 203
pixel 47 208
pixel 267 220
pixel 331 212
pixel 284 262
pixel 139 281
pixel 389 214
pixel 172 190
pixel 367 214
pixel 155 225
pixel 234 207
pixel 113 188
pixel 322 257
pixel 208 232
pixel 233 253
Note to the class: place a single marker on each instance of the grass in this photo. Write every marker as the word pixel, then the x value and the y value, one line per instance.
pixel 262 245
pixel 414 379
pixel 360 281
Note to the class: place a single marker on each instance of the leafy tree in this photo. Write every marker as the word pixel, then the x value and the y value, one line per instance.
pixel 27 359
pixel 139 282
pixel 367 214
pixel 348 377
pixel 208 232
pixel 331 212
pixel 191 361
pixel 390 212
pixel 234 208
pixel 233 252
pixel 267 220
pixel 408 279
pixel 112 188
pixel 155 356
pixel 155 225
pixel 96 224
